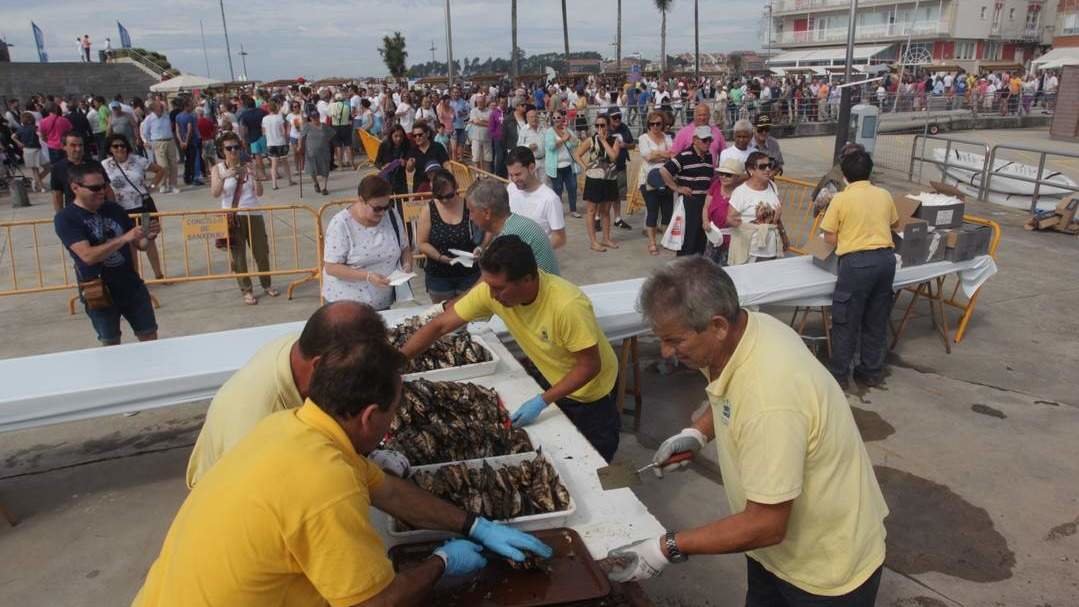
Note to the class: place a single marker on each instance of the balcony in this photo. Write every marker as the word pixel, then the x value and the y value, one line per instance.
pixel 784 7
pixel 865 33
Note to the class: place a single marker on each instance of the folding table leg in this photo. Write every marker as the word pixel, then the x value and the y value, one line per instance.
pixel 936 304
pixel 638 402
pixel 620 385
pixel 825 320
pixel 906 314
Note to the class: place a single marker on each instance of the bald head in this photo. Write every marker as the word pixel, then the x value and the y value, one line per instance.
pixel 339 324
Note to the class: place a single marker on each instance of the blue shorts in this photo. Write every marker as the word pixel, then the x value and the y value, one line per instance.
pixel 450 286
pixel 135 306
pixel 258 146
pixel 462 136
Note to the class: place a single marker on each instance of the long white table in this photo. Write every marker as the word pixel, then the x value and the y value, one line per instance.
pixel 138 376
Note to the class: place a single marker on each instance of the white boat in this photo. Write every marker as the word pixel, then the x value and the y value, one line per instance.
pixel 964 170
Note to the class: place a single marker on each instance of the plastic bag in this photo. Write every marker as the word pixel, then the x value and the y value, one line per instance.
pixel 676 231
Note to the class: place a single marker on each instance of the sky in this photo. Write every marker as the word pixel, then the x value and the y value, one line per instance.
pixel 321 38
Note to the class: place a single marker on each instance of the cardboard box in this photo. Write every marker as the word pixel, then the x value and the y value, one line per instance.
pixel 823 253
pixel 910 235
pixel 968 242
pixel 1066 209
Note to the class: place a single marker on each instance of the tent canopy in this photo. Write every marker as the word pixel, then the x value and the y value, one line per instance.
pixel 1056 58
pixel 183 82
pixel 826 54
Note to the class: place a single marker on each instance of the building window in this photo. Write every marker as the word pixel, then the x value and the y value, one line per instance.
pixel 1011 14
pixel 965 49
pixel 983 13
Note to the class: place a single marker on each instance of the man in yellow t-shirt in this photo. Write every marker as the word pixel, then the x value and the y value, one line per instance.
pixel 806 506
pixel 859 222
pixel 283 518
pixel 277 378
pixel 553 322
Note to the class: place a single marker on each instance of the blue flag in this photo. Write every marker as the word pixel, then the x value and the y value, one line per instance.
pixel 125 38
pixel 39 40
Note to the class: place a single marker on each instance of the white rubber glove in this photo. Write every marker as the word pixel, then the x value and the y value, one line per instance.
pixel 689 439
pixel 640 560
pixel 393 462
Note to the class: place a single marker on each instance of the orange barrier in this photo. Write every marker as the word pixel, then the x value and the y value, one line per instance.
pixel 35 261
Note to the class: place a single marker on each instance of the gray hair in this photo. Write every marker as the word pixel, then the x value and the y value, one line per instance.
pixel 490 195
pixel 693 289
pixel 743 126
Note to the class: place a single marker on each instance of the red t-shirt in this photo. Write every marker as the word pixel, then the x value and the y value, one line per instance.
pixel 206 128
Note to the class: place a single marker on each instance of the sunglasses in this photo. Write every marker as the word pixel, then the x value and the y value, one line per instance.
pixel 600 125
pixel 118 146
pixel 419 134
pixel 231 148
pixel 655 124
pixel 379 208
pixel 764 167
pixel 100 187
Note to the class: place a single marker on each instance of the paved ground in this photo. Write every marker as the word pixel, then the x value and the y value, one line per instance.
pixel 975 450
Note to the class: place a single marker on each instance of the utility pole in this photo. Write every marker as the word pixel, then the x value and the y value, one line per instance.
pixel 449 46
pixel 843 120
pixel 205 56
pixel 243 57
pixel 618 41
pixel 514 68
pixel 696 41
pixel 228 50
pixel 432 49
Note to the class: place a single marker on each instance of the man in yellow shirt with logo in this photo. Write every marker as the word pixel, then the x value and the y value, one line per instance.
pixel 283 518
pixel 278 377
pixel 553 322
pixel 859 223
pixel 806 507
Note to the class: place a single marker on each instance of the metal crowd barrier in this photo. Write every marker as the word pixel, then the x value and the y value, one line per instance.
pixel 1041 179
pixel 950 144
pixel 795 196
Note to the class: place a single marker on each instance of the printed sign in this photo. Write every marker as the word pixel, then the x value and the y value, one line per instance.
pixel 205 227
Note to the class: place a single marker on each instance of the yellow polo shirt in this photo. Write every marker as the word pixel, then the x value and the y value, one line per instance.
pixel 282 519
pixel 550 330
pixel 263 386
pixel 784 431
pixel 861 217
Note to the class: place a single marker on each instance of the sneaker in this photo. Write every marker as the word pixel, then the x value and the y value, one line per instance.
pixel 621 223
pixel 576 215
pixel 869 381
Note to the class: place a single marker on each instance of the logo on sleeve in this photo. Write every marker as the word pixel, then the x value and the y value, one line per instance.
pixel 724 407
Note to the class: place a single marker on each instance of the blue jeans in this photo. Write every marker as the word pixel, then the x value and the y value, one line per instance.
pixel 566 179
pixel 765 589
pixel 861 306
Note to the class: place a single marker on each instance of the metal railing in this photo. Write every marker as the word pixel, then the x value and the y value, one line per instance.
pixel 950 144
pixel 1041 179
pixel 866 32
pixel 146 61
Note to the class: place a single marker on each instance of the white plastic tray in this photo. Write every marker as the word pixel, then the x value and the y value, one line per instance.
pixel 472 371
pixel 532 522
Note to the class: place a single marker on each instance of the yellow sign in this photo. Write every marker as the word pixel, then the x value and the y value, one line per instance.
pixel 206 227
pixel 410 209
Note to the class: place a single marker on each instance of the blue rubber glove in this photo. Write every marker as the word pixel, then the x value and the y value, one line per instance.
pixel 507 541
pixel 529 411
pixel 462 557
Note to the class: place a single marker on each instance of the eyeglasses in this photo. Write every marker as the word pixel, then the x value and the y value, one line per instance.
pixel 379 208
pixel 600 125
pixel 231 148
pixel 764 167
pixel 419 134
pixel 655 124
pixel 98 187
pixel 118 146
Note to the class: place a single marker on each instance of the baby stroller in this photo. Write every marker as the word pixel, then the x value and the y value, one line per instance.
pixel 12 179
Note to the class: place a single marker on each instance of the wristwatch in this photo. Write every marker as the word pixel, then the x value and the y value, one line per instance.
pixel 674 555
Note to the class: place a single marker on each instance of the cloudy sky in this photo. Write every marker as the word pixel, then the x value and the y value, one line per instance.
pixel 318 38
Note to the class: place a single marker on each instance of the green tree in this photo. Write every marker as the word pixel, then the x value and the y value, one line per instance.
pixel 394 54
pixel 663 6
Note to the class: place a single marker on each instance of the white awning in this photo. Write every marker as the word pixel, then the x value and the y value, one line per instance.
pixel 830 54
pixel 183 82
pixel 1056 58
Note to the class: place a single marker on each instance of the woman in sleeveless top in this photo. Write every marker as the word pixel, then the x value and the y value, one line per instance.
pixel 444 224
pixel 250 227
pixel 598 155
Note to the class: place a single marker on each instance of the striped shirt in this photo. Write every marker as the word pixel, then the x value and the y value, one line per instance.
pixel 692 170
pixel 532 235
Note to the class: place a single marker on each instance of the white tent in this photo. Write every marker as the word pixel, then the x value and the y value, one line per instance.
pixel 1056 58
pixel 183 82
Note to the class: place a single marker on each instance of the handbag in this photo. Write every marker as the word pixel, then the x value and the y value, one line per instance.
pixel 95 293
pixel 148 204
pixel 601 167
pixel 233 219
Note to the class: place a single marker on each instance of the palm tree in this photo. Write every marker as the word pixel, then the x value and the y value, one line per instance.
pixel 663 6
pixel 513 55
pixel 565 33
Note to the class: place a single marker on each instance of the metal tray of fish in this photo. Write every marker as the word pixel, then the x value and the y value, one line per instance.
pixel 466 371
pixel 530 522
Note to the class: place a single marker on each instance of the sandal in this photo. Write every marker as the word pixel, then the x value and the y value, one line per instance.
pixel 272 292
pixel 609 244
pixel 652 250
pixel 597 248
pixel 250 299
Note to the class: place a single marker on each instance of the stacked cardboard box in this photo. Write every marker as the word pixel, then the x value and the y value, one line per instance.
pixel 1061 219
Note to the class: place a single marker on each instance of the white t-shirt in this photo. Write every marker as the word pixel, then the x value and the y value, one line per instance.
pixel 734 152
pixel 406 116
pixel 295 122
pixel 323 110
pixel 273 126
pixel 542 206
pixel 128 190
pixel 428 115
pixel 373 249
pixel 648 147
pixel 480 133
pixel 745 200
pixel 248 198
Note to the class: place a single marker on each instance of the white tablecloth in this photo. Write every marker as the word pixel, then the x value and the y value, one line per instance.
pixel 82 384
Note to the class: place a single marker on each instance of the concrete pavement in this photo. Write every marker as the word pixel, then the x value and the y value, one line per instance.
pixel 975 450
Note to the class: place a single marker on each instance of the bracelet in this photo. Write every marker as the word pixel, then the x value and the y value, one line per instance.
pixel 470 520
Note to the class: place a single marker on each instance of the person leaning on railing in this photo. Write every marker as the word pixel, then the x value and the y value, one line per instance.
pixel 249 227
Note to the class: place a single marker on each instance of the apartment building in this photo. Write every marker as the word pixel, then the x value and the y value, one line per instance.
pixel 964 33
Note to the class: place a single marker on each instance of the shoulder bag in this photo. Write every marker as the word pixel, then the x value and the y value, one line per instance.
pixel 148 204
pixel 233 220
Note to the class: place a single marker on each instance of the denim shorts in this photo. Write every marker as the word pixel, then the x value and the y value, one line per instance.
pixel 450 286
pixel 462 136
pixel 135 306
